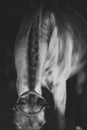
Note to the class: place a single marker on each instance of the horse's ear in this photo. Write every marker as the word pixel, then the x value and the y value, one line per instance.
pixel 52 52
pixel 64 66
pixel 59 54
pixel 53 45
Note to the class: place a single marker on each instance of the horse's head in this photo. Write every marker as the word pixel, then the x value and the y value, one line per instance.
pixel 30 53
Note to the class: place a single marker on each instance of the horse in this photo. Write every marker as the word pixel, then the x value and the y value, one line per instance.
pixel 50 49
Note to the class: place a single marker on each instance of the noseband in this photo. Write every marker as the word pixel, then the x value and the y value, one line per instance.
pixel 23 100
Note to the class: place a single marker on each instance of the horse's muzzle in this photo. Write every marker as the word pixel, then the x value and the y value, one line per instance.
pixel 30 111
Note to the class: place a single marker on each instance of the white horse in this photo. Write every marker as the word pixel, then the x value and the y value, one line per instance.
pixel 50 48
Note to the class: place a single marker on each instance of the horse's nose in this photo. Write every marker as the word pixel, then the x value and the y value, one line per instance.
pixel 31 103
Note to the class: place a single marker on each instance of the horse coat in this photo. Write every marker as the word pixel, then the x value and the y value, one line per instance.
pixel 50 48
